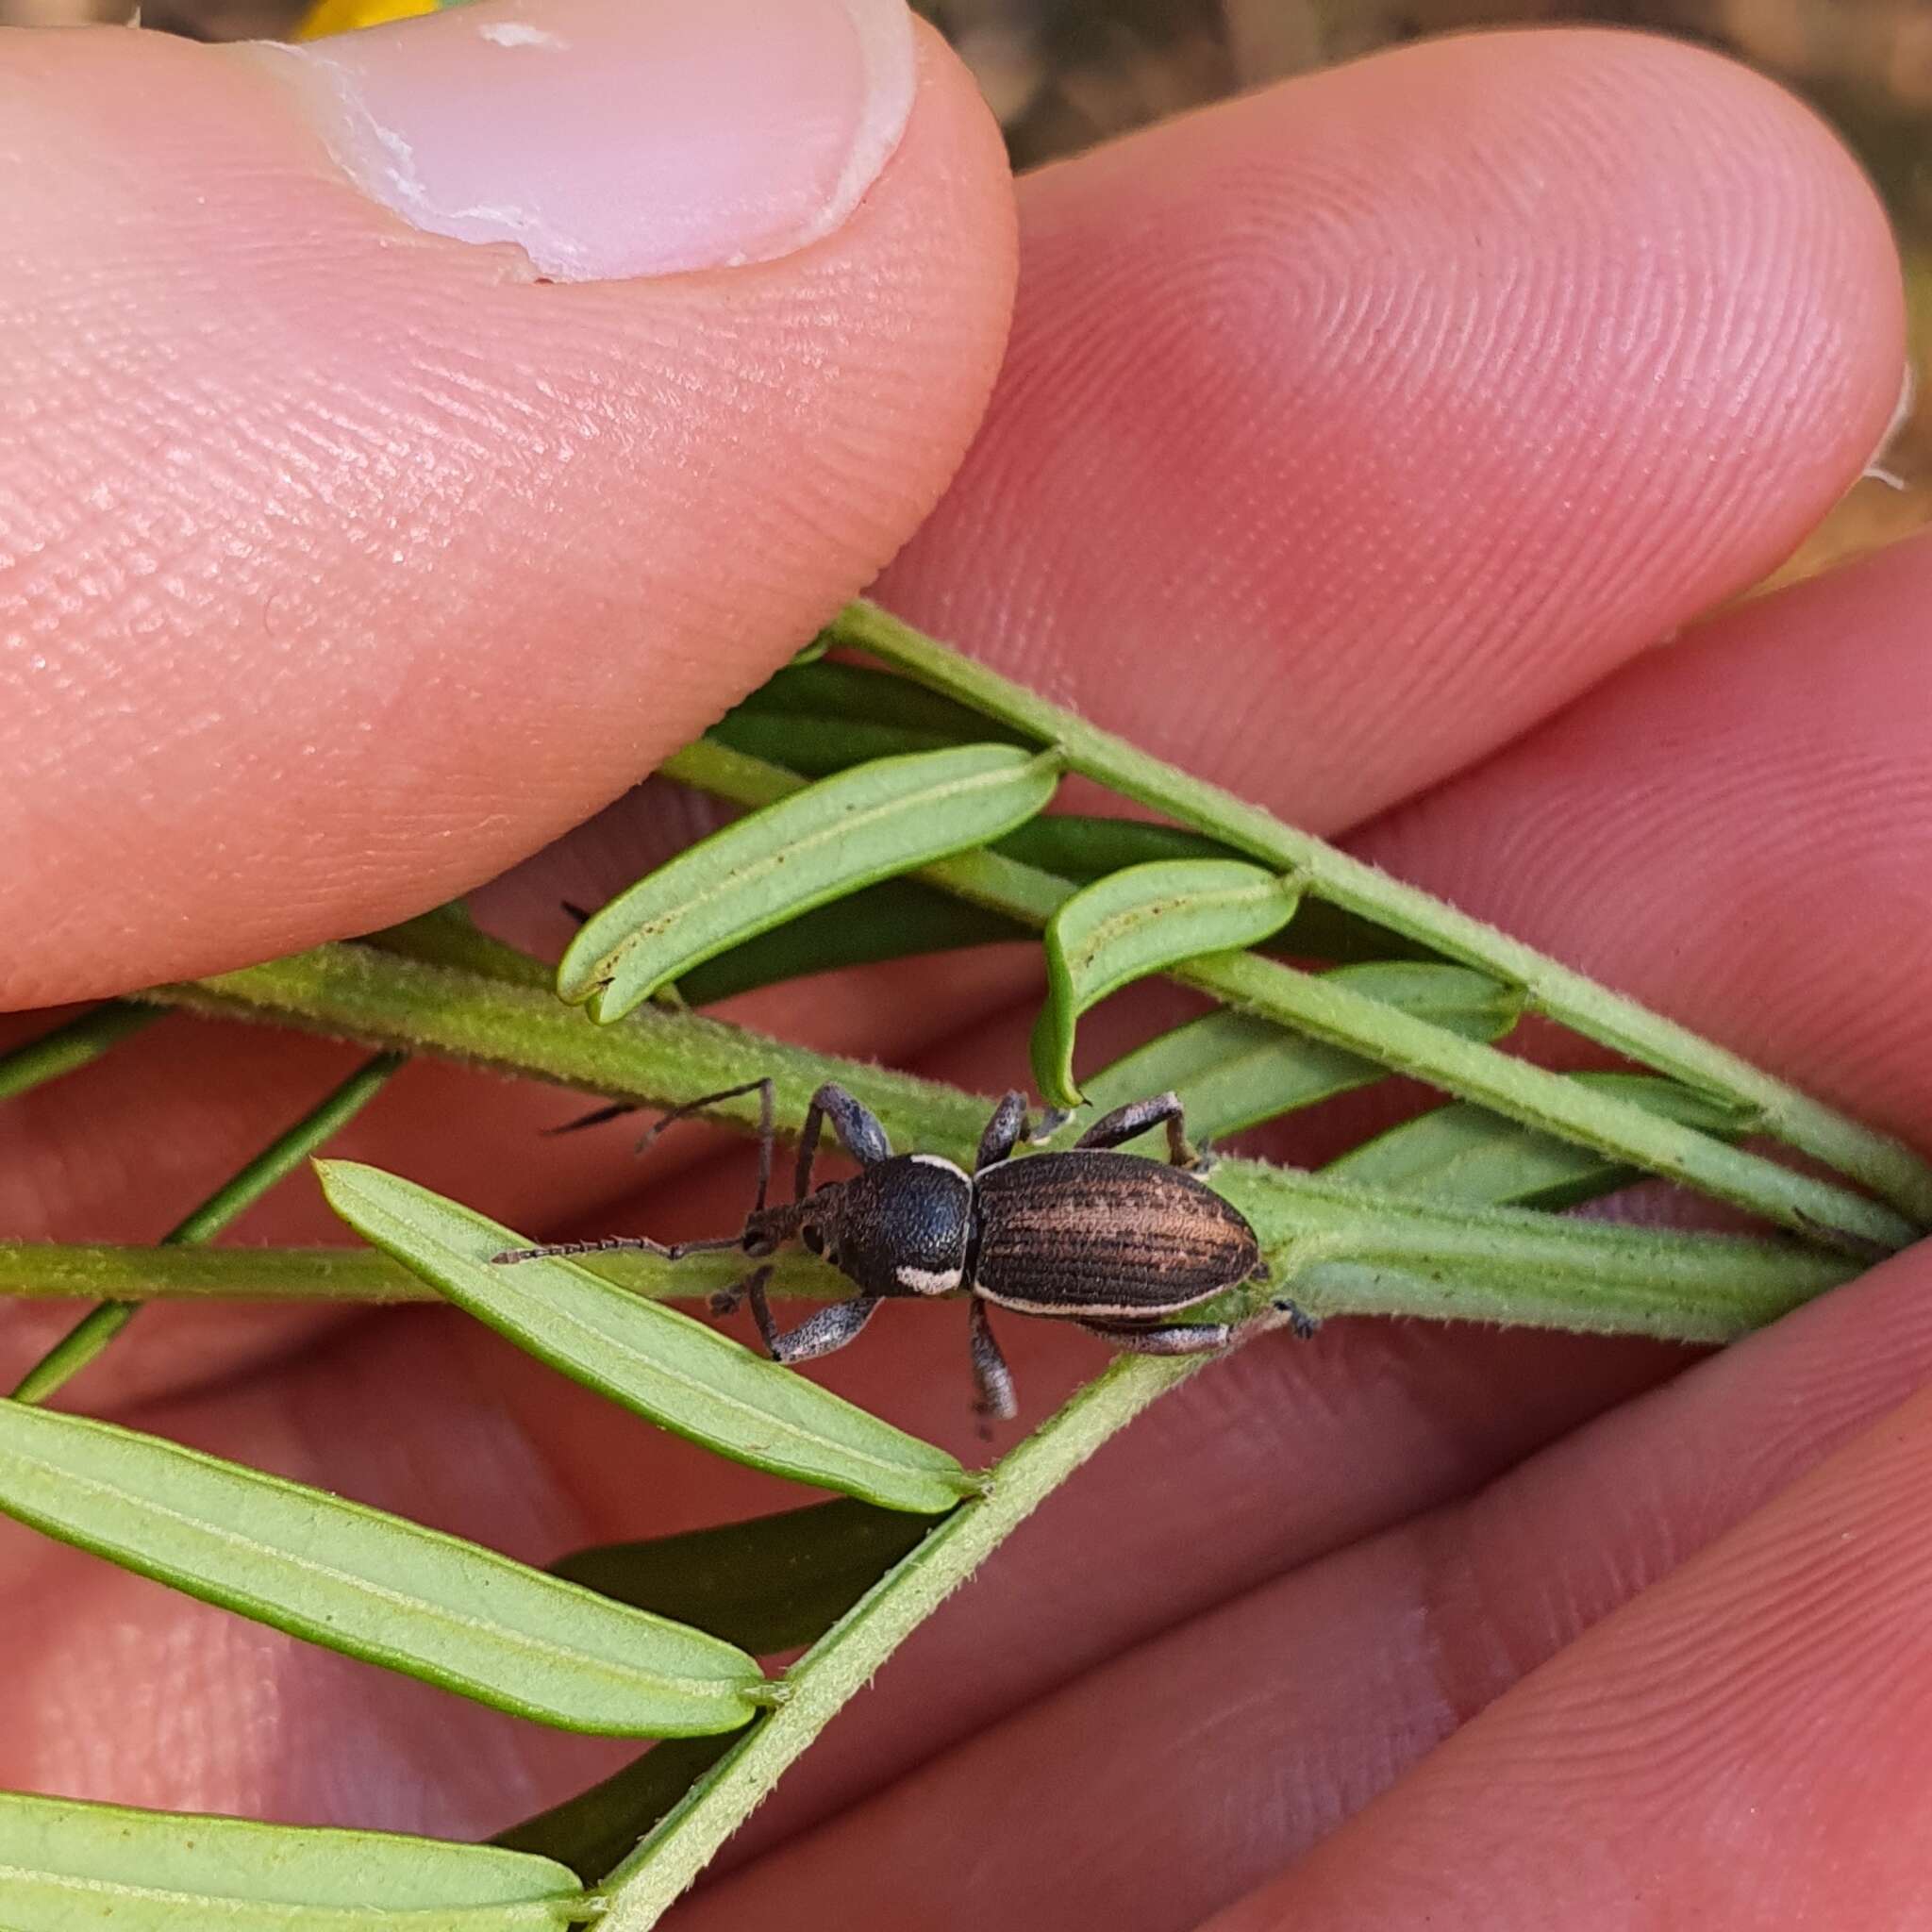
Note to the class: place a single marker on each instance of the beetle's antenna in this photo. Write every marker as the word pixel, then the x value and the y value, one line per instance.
pixel 618 1244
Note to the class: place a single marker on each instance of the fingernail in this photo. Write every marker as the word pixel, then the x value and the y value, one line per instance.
pixel 1901 415
pixel 616 138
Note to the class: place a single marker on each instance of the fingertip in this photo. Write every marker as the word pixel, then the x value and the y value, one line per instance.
pixel 362 559
pixel 1421 393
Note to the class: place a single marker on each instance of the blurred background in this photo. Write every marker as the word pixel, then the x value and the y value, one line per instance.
pixel 1062 74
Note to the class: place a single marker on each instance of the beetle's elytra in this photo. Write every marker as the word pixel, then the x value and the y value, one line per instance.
pixel 1117 1243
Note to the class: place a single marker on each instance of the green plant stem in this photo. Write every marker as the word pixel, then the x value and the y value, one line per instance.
pixel 1323 1008
pixel 1876 1161
pixel 85 1340
pixel 1346 1249
pixel 71 1047
pixel 1384 1251
pixel 644 1887
pixel 656 1056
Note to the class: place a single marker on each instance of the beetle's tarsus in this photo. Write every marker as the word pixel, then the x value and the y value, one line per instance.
pixel 1296 1318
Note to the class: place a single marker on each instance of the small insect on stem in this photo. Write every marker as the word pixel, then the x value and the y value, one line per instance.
pixel 1118 1244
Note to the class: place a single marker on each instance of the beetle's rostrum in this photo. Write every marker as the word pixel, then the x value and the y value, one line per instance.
pixel 1118 1244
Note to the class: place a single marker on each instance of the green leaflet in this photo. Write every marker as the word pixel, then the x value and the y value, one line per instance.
pixel 593 1829
pixel 1464 1152
pixel 767 1584
pixel 822 711
pixel 96 1329
pixel 369 1583
pixel 69 1048
pixel 771 1583
pixel 679 1373
pixel 1235 1070
pixel 70 1867
pixel 898 917
pixel 871 822
pixel 893 920
pixel 1142 921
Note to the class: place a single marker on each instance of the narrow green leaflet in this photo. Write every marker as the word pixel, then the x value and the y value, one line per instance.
pixel 773 1583
pixel 871 822
pixel 828 693
pixel 592 1830
pixel 96 1329
pixel 372 1584
pixel 893 920
pixel 1464 1152
pixel 70 1867
pixel 1140 921
pixel 767 1584
pixel 679 1373
pixel 69 1048
pixel 1235 1070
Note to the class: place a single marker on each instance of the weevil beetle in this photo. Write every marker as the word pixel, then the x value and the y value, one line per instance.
pixel 1118 1244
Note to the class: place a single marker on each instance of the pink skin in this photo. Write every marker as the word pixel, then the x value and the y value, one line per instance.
pixel 1358 442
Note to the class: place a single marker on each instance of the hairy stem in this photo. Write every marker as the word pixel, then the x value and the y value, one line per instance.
pixel 839 1665
pixel 1876 1161
pixel 1346 1249
pixel 1323 1009
pixel 92 1333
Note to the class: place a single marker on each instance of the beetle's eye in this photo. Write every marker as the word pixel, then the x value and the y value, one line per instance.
pixel 812 1238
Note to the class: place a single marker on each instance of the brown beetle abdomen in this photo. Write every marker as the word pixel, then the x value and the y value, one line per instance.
pixel 1089 1233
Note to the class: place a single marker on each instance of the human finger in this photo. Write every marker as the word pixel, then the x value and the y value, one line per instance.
pixel 489 400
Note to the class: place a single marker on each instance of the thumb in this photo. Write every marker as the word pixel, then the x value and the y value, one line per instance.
pixel 413 436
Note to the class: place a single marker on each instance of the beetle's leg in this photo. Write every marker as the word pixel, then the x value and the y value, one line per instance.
pixel 820 1334
pixel 1159 1110
pixel 857 1127
pixel 1202 1338
pixel 728 1301
pixel 1003 1131
pixel 990 1375
pixel 595 1117
pixel 1296 1318
pixel 751 1289
pixel 1009 1126
pixel 767 1133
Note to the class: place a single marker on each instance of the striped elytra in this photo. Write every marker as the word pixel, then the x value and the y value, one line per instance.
pixel 1093 1232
